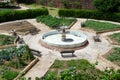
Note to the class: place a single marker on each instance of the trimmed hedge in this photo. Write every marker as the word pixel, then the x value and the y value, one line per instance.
pixel 92 14
pixel 21 14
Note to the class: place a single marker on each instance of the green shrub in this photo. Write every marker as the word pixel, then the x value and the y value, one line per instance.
pixel 9 75
pixel 107 5
pixel 93 14
pixel 57 64
pixel 21 14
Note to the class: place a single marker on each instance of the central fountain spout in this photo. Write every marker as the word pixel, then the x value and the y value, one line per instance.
pixel 63 34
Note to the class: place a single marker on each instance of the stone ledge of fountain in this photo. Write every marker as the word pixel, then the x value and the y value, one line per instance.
pixel 50 41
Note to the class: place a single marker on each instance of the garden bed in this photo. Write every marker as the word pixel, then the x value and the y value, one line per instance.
pixel 6 40
pixel 21 27
pixel 101 27
pixel 15 59
pixel 78 70
pixel 115 38
pixel 55 22
pixel 113 56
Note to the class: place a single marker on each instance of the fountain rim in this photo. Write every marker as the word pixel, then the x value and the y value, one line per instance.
pixel 74 32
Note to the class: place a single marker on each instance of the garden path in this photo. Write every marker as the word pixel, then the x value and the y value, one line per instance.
pixel 41 67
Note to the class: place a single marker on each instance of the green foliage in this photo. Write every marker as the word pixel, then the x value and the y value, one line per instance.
pixel 107 5
pixel 16 57
pixel 57 64
pixel 115 56
pixel 76 73
pixel 116 37
pixel 4 4
pixel 84 63
pixel 54 22
pixel 21 14
pixel 17 63
pixel 50 76
pixel 28 56
pixel 92 14
pixel 100 26
pixel 68 74
pixel 5 40
pixel 7 74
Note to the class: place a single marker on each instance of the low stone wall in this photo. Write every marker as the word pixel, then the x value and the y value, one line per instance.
pixel 6 46
pixel 72 24
pixel 27 68
pixel 111 41
pixel 99 32
pixel 88 30
pixel 104 31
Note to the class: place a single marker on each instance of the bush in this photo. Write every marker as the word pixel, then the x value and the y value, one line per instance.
pixel 9 75
pixel 107 5
pixel 21 14
pixel 93 14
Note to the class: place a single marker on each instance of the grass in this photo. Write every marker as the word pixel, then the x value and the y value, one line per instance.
pixel 52 11
pixel 5 40
pixel 54 22
pixel 115 37
pixel 100 26
pixel 115 56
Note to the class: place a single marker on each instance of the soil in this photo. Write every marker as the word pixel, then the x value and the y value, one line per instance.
pixel 20 27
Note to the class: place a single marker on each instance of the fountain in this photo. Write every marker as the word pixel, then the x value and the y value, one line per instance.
pixel 63 39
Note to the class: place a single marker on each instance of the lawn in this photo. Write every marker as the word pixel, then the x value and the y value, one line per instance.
pixel 55 22
pixel 6 40
pixel 100 26
pixel 115 37
pixel 115 56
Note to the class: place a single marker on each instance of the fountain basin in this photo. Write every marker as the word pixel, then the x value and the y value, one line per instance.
pixel 73 39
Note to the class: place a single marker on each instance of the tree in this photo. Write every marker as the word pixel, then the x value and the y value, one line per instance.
pixel 107 5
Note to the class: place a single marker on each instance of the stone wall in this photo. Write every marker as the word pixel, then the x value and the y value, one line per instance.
pixel 84 4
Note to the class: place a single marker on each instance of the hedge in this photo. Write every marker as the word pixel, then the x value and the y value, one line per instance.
pixel 92 14
pixel 21 14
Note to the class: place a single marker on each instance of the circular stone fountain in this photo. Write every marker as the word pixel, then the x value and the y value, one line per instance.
pixel 70 39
